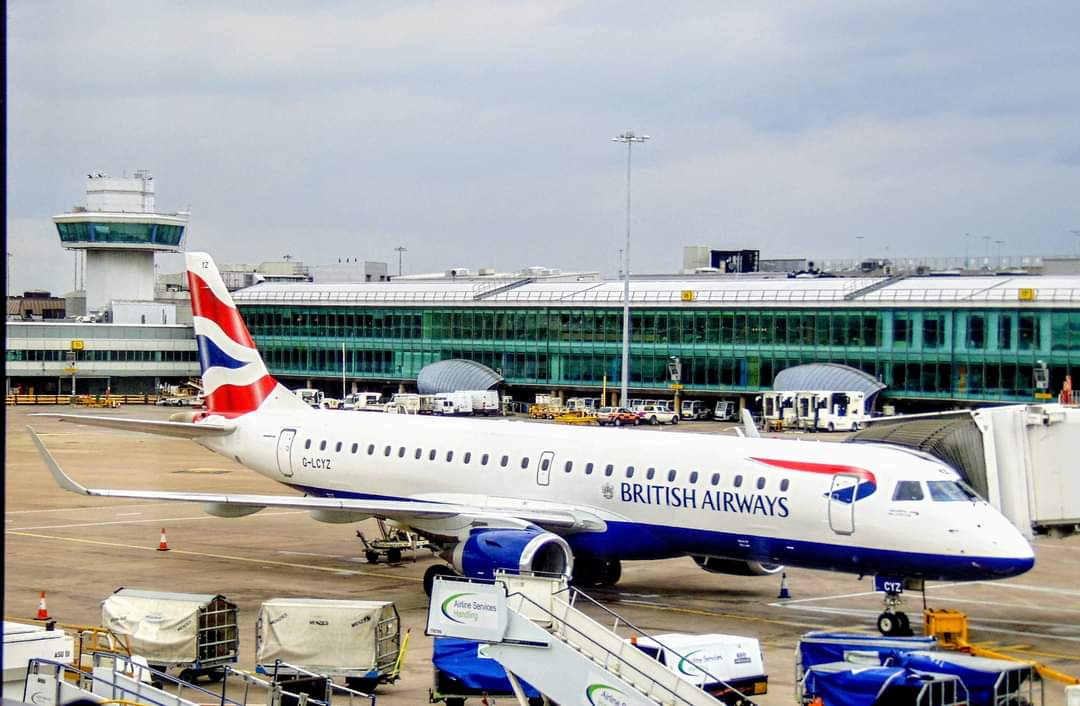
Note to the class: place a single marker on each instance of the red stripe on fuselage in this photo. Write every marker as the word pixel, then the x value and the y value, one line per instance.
pixel 233 400
pixel 831 469
pixel 208 306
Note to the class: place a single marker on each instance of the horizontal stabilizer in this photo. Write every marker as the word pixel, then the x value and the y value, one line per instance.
pixel 184 430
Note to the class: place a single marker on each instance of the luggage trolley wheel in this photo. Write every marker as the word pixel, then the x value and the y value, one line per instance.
pixel 189 675
pixel 372 556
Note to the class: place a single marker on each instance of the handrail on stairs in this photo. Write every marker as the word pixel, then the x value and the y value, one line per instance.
pixel 574 592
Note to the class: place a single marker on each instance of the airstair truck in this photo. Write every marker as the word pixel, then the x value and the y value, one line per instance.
pixel 357 641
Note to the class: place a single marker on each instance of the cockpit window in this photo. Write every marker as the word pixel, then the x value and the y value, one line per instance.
pixel 908 490
pixel 950 491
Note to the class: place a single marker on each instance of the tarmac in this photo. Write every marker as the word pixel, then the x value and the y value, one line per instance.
pixel 80 549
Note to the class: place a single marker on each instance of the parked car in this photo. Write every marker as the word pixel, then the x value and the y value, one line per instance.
pixel 616 416
pixel 655 414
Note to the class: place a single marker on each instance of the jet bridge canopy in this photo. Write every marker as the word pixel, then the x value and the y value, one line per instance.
pixel 828 376
pixel 455 374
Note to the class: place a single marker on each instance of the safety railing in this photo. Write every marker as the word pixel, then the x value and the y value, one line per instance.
pixel 283 669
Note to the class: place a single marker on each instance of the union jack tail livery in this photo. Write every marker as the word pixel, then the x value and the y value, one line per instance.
pixel 234 376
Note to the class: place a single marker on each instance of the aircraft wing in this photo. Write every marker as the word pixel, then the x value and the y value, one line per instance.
pixel 184 430
pixel 230 505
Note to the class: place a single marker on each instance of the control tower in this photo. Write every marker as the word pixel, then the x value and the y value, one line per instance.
pixel 119 231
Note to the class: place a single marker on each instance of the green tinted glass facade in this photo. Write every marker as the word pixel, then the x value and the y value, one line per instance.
pixel 143 233
pixel 978 354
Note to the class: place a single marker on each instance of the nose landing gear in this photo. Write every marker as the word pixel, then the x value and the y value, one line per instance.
pixel 893 622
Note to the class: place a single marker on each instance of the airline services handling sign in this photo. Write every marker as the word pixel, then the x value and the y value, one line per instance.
pixel 474 611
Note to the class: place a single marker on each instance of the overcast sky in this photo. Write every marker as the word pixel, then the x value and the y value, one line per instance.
pixel 478 133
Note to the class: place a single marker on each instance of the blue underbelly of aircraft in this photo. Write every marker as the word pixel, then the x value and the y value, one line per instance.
pixel 641 541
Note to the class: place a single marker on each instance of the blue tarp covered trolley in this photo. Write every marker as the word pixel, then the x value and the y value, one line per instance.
pixel 460 673
pixel 862 659
pixel 990 682
pixel 843 684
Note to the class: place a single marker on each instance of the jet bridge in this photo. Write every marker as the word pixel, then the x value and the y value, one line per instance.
pixel 533 627
pixel 1020 458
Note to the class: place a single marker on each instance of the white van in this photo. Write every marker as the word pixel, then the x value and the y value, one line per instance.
pixel 719 664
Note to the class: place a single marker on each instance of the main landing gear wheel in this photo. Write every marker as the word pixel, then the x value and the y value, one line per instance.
pixel 588 574
pixel 433 571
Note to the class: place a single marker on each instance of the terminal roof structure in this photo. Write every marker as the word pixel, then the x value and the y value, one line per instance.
pixel 756 291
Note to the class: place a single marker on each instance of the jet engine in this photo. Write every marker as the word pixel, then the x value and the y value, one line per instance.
pixel 529 549
pixel 736 567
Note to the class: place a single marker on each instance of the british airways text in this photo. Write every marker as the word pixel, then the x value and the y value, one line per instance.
pixel 716 500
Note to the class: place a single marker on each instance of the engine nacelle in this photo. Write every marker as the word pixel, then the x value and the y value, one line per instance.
pixel 737 568
pixel 512 549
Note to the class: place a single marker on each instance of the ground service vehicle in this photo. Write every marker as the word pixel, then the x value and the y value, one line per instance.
pixel 484 402
pixel 654 414
pixel 616 416
pixel 725 411
pixel 727 666
pixel 310 396
pixel 694 409
pixel 451 403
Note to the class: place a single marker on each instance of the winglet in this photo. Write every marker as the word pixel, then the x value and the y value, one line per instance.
pixel 748 424
pixel 61 478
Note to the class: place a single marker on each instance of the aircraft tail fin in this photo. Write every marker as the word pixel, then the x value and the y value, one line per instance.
pixel 235 379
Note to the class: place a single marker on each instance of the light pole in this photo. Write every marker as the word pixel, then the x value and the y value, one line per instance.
pixel 858 250
pixel 629 138
pixel 999 243
pixel 967 248
pixel 987 239
pixel 401 249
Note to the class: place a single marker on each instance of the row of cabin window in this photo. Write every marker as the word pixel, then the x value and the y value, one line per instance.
pixel 609 469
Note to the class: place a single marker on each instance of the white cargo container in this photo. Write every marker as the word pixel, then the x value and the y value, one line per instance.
pixel 484 402
pixel 357 641
pixel 194 632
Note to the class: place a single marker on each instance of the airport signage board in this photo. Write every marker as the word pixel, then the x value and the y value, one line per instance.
pixel 472 611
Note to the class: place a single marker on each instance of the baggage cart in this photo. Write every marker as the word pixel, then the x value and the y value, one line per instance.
pixel 358 642
pixel 460 673
pixel 195 633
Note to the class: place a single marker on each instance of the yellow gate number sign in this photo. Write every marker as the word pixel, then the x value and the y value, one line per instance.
pixel 689 295
pixel 77 345
pixel 1027 294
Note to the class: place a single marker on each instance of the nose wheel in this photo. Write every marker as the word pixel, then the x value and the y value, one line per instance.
pixel 893 622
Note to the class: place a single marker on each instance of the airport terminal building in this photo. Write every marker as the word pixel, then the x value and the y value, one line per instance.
pixel 965 338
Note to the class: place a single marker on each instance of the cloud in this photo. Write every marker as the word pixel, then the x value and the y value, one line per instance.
pixel 478 133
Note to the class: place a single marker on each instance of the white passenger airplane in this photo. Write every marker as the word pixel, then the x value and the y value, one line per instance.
pixel 561 499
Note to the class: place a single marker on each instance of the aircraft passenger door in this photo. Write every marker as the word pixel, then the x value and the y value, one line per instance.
pixel 543 470
pixel 845 487
pixel 284 451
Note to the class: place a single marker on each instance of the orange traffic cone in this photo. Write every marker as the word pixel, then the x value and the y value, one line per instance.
pixel 42 610
pixel 163 543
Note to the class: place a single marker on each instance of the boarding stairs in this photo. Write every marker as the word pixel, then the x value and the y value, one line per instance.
pixel 116 679
pixel 564 653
